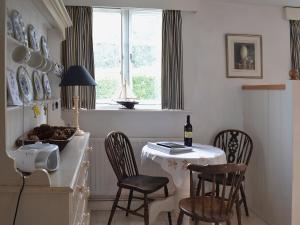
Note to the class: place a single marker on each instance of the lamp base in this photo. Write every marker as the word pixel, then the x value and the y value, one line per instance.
pixel 79 132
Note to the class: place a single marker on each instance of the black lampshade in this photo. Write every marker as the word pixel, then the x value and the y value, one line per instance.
pixel 77 76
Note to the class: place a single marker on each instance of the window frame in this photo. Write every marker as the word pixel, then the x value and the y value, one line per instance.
pixel 126 54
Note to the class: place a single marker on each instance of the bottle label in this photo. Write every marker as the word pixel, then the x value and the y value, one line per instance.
pixel 188 134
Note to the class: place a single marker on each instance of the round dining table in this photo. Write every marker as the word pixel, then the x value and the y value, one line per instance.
pixel 175 165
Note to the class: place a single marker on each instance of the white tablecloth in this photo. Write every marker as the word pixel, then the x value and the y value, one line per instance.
pixel 175 165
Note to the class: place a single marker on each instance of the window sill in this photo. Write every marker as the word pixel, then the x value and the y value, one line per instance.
pixel 117 108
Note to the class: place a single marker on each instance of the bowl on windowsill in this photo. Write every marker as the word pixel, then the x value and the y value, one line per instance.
pixel 127 104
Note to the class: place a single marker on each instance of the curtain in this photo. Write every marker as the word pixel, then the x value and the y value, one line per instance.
pixel 172 60
pixel 77 49
pixel 295 44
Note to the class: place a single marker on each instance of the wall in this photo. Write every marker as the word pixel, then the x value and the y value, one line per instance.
pixel 268 118
pixel 214 101
pixel 188 5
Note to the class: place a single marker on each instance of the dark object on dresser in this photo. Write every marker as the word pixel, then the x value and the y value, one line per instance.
pixel 48 134
pixel 120 154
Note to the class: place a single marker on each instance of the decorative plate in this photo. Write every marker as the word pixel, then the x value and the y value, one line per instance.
pixel 25 84
pixel 32 38
pixel 44 47
pixel 18 27
pixel 10 29
pixel 46 85
pixel 13 97
pixel 37 86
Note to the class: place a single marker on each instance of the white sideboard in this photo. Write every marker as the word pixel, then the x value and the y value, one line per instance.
pixel 59 197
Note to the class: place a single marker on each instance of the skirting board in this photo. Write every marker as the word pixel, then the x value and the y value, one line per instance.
pixel 105 205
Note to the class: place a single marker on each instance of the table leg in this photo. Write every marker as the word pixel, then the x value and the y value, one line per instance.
pixel 158 206
pixel 183 192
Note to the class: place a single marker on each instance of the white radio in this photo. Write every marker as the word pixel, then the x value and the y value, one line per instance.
pixel 29 158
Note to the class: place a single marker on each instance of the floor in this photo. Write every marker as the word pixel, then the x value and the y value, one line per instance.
pixel 101 218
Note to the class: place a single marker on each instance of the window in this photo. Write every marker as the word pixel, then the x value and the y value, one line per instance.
pixel 127 48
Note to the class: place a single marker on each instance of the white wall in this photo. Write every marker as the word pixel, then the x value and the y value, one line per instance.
pixel 268 118
pixel 213 100
pixel 188 5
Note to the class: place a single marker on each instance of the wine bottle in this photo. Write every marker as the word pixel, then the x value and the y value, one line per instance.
pixel 188 132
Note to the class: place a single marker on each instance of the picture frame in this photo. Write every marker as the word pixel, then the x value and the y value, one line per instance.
pixel 244 58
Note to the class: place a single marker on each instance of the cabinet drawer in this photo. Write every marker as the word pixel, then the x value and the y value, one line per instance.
pixel 82 191
pixel 86 219
pixel 82 216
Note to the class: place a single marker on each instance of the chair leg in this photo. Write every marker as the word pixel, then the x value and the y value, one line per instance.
pixel 244 200
pixel 114 206
pixel 129 202
pixel 198 187
pixel 218 190
pixel 146 210
pixel 180 218
pixel 169 213
pixel 238 212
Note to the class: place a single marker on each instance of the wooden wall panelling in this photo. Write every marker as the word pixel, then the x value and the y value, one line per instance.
pixel 267 118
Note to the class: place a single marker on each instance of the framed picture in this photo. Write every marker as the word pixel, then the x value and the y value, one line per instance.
pixel 244 56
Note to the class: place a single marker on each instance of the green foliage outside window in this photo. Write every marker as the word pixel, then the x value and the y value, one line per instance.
pixel 144 87
pixel 106 88
pixel 142 55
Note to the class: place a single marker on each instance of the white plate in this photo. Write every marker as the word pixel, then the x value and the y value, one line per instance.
pixel 37 85
pixel 13 97
pixel 32 38
pixel 18 27
pixel 10 29
pixel 25 85
pixel 44 47
pixel 47 87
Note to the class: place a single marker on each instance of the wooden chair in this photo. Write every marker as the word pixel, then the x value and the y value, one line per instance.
pixel 213 208
pixel 238 147
pixel 121 157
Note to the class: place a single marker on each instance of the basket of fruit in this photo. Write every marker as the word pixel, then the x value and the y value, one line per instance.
pixel 48 134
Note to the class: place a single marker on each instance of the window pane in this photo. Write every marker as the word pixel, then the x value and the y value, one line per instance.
pixel 107 52
pixel 145 49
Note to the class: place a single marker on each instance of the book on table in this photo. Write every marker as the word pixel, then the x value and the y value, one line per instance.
pixel 169 147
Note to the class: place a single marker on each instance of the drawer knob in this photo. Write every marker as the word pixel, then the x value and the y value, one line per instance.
pixel 87 192
pixel 80 188
pixel 86 164
pixel 86 218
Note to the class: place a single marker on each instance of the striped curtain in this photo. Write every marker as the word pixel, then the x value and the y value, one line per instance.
pixel 295 44
pixel 172 60
pixel 77 49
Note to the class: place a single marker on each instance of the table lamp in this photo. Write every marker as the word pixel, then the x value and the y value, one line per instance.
pixel 77 76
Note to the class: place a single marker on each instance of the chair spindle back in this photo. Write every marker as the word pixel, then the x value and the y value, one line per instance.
pixel 237 145
pixel 120 154
pixel 212 202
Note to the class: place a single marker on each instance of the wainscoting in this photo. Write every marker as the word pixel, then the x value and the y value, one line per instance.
pixel 103 181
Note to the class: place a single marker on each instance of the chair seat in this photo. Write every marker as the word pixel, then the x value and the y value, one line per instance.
pixel 210 213
pixel 144 184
